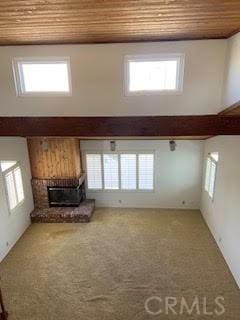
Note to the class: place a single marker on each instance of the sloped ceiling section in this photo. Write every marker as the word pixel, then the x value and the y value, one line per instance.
pixel 89 21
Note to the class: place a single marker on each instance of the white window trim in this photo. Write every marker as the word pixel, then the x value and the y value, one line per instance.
pixel 215 177
pixel 18 76
pixel 119 171
pixel 155 57
pixel 17 165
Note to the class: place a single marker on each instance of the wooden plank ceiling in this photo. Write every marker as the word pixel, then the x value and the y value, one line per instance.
pixel 100 21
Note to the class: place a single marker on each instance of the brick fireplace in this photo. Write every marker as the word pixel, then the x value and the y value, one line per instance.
pixel 40 189
pixel 56 163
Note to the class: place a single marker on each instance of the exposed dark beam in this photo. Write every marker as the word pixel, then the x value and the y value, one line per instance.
pixel 205 125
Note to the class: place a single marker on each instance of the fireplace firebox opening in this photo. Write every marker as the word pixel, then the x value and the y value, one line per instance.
pixel 65 196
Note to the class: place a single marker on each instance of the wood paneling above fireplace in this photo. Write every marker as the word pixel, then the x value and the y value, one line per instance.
pixel 54 158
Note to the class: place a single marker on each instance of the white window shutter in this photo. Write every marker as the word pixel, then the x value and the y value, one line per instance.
pixel 211 169
pixel 110 165
pixel 94 171
pixel 208 172
pixel 11 190
pixel 145 171
pixel 128 171
pixel 212 178
pixel 19 184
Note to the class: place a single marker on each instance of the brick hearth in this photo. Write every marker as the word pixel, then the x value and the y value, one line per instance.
pixel 83 213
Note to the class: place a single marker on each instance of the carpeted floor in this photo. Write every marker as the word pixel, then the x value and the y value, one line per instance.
pixel 105 270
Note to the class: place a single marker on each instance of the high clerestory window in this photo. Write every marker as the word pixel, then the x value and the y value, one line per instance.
pixel 161 74
pixel 42 77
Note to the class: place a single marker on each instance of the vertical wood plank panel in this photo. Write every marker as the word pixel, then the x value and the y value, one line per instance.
pixel 60 160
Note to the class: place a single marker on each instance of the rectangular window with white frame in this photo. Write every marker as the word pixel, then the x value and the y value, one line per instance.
pixel 159 73
pixel 120 171
pixel 12 175
pixel 211 170
pixel 42 76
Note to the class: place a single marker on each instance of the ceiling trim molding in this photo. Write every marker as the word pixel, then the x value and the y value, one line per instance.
pixel 149 40
pixel 145 126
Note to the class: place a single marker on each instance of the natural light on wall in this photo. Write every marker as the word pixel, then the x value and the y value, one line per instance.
pixel 42 76
pixel 161 73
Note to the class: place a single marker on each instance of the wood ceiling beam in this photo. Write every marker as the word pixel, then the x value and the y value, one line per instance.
pixel 233 110
pixel 145 126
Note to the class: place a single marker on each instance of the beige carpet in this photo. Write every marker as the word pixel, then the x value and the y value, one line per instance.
pixel 108 268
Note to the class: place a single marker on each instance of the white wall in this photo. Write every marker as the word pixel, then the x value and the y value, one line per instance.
pixel 231 92
pixel 223 213
pixel 12 225
pixel 97 78
pixel 178 175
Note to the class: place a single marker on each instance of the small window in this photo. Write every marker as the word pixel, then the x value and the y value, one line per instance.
pixel 211 170
pixel 13 181
pixel 154 74
pixel 36 77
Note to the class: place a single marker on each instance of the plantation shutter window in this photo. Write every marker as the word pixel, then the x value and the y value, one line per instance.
pixel 128 171
pixel 211 169
pixel 94 171
pixel 110 164
pixel 13 183
pixel 120 171
pixel 19 184
pixel 145 169
pixel 11 190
